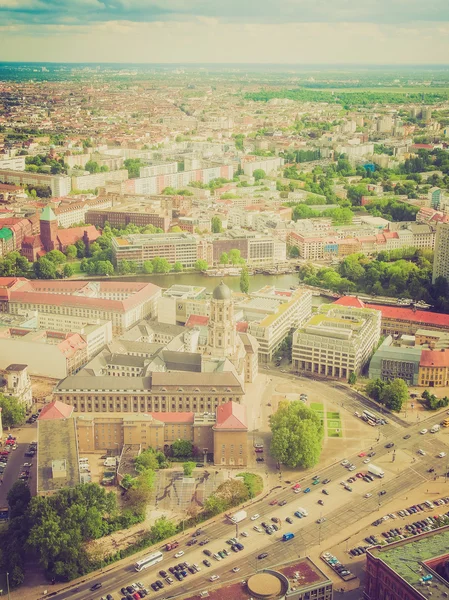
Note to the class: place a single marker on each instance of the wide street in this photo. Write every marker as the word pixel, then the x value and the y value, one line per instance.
pixel 341 510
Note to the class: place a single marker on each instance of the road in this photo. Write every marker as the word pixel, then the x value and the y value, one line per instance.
pixel 341 509
pixel 16 458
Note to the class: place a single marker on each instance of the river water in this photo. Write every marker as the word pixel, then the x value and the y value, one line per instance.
pixel 197 279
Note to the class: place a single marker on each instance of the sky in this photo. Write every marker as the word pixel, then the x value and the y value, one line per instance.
pixel 226 31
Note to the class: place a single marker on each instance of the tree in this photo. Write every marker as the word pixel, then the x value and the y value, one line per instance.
pixel 216 224
pixel 259 174
pixel 214 505
pixel 18 498
pixel 162 529
pixel 71 251
pixel 201 265
pixel 188 468
pixel 56 257
pixel 124 267
pixel 244 280
pixel 235 258
pixel 161 265
pixel 233 492
pixel 80 248
pixel 104 267
pixel 297 435
pixel 293 252
pixel 92 166
pixel 374 388
pixel 176 229
pixel 394 394
pixel 148 267
pixel 224 258
pixel 182 448
pixel 68 270
pixel 147 460
pixel 352 380
pixel 178 267
pixel 44 269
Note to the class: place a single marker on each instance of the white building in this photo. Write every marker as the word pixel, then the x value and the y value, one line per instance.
pixel 18 384
pixel 337 341
pixel 441 256
pixel 12 163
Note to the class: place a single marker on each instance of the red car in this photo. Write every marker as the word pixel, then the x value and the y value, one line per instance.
pixel 359 475
pixel 362 454
pixel 297 486
pixel 273 502
pixel 258 450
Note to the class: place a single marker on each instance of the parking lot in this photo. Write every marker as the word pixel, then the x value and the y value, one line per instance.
pixel 16 459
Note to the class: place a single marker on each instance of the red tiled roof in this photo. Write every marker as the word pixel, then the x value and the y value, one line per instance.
pixel 69 236
pixel 242 327
pixel 197 320
pixel 56 410
pixel 173 417
pixel 231 416
pixel 399 313
pixel 434 358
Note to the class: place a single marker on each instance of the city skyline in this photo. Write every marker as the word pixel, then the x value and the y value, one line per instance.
pixel 169 32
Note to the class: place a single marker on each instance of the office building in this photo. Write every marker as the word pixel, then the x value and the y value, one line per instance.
pixel 393 360
pixel 434 196
pixel 412 569
pixel 336 341
pixel 122 303
pixel 441 256
pixel 175 247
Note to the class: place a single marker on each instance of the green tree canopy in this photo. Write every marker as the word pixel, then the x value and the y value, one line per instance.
pixel 44 269
pixel 161 265
pixel 244 280
pixel 216 224
pixel 224 258
pixel 71 251
pixel 188 468
pixel 259 174
pixel 297 435
pixel 182 448
pixel 201 265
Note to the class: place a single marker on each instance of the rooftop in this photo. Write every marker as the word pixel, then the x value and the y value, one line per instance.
pixel 231 416
pixel 57 441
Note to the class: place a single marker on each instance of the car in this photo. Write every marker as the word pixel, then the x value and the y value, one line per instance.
pixel 316 482
pixel 123 591
pixel 207 552
pixel 162 574
pixel 264 525
pixel 307 490
pixel 382 493
pixel 326 481
pixel 367 495
pixel 282 502
pixel 441 454
pixel 421 451
pixel 27 465
pixel 371 454
pixel 325 492
pixel 260 459
pixel 321 502
pixel 221 554
pixel 366 461
pixel 273 502
pixel 254 517
pixel 389 445
pixel 263 555
pixel 289 520
pixel 359 475
pixel 244 534
pixel 258 529
pixel 321 520
pixel 206 563
pixel 352 468
pixel 297 486
pixel 96 586
pixel 344 463
pixel 179 554
pixel 348 488
pixel 192 542
pixel 352 480
pixel 407 437
pixel 214 577
pixel 204 542
pixel 258 445
pixel 236 569
pixel 258 450
pixel 423 431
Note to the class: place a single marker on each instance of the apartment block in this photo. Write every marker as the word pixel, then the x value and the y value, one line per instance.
pixel 60 185
pixel 142 247
pixel 266 164
pixel 272 313
pixel 336 341
pixel 441 256
pixel 12 163
pixel 137 213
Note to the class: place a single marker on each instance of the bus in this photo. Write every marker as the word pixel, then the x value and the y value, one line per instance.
pixel 367 416
pixel 445 423
pixel 148 561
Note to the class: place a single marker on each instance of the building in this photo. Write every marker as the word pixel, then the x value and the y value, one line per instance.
pixel 174 391
pixel 138 213
pixel 122 303
pixel 180 301
pixel 17 384
pixel 434 196
pixel 60 185
pixel 46 353
pixel 412 569
pixel 434 368
pixel 12 163
pixel 441 256
pixel 175 247
pixel 230 436
pixel 272 313
pixel 298 580
pixel 269 165
pixel 398 321
pixel 392 361
pixel 336 341
pixel 52 238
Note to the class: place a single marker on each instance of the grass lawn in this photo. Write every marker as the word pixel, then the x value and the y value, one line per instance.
pixel 333 415
pixel 334 433
pixel 75 264
pixel 253 482
pixel 317 406
pixel 334 424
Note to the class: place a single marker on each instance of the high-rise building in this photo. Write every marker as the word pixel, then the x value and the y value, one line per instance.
pixel 441 255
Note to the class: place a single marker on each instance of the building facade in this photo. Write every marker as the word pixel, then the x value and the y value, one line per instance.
pixel 336 342
pixel 441 256
pixel 174 247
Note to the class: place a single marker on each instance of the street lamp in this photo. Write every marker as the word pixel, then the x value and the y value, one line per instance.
pixel 7 585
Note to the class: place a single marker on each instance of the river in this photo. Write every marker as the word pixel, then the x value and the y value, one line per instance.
pixel 196 279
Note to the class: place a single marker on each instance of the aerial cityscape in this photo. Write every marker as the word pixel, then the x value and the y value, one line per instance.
pixel 224 300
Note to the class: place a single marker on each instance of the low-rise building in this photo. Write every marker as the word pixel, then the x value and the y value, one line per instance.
pixel 174 247
pixel 393 360
pixel 230 435
pixel 337 341
pixel 17 384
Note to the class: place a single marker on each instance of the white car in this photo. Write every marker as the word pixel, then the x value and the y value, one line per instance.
pixel 420 451
pixel 344 463
pixel 352 468
pixel 179 554
pixel 258 445
pixel 423 431
pixel 366 461
pixel 236 569
pixel 297 491
pixel 254 517
pixel 214 577
pixel 441 454
pixel 244 534
pixel 367 495
pixel 256 528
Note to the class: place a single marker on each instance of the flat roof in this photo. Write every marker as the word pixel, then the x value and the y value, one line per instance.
pixel 408 559
pixel 57 442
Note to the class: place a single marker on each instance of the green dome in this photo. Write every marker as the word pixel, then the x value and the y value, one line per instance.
pixel 222 292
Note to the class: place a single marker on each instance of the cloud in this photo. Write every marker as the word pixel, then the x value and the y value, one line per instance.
pixel 227 11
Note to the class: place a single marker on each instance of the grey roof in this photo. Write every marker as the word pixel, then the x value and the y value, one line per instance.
pixel 222 292
pixel 126 360
pixel 182 361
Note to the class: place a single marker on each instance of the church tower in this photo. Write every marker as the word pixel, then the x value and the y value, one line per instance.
pixel 222 333
pixel 48 229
